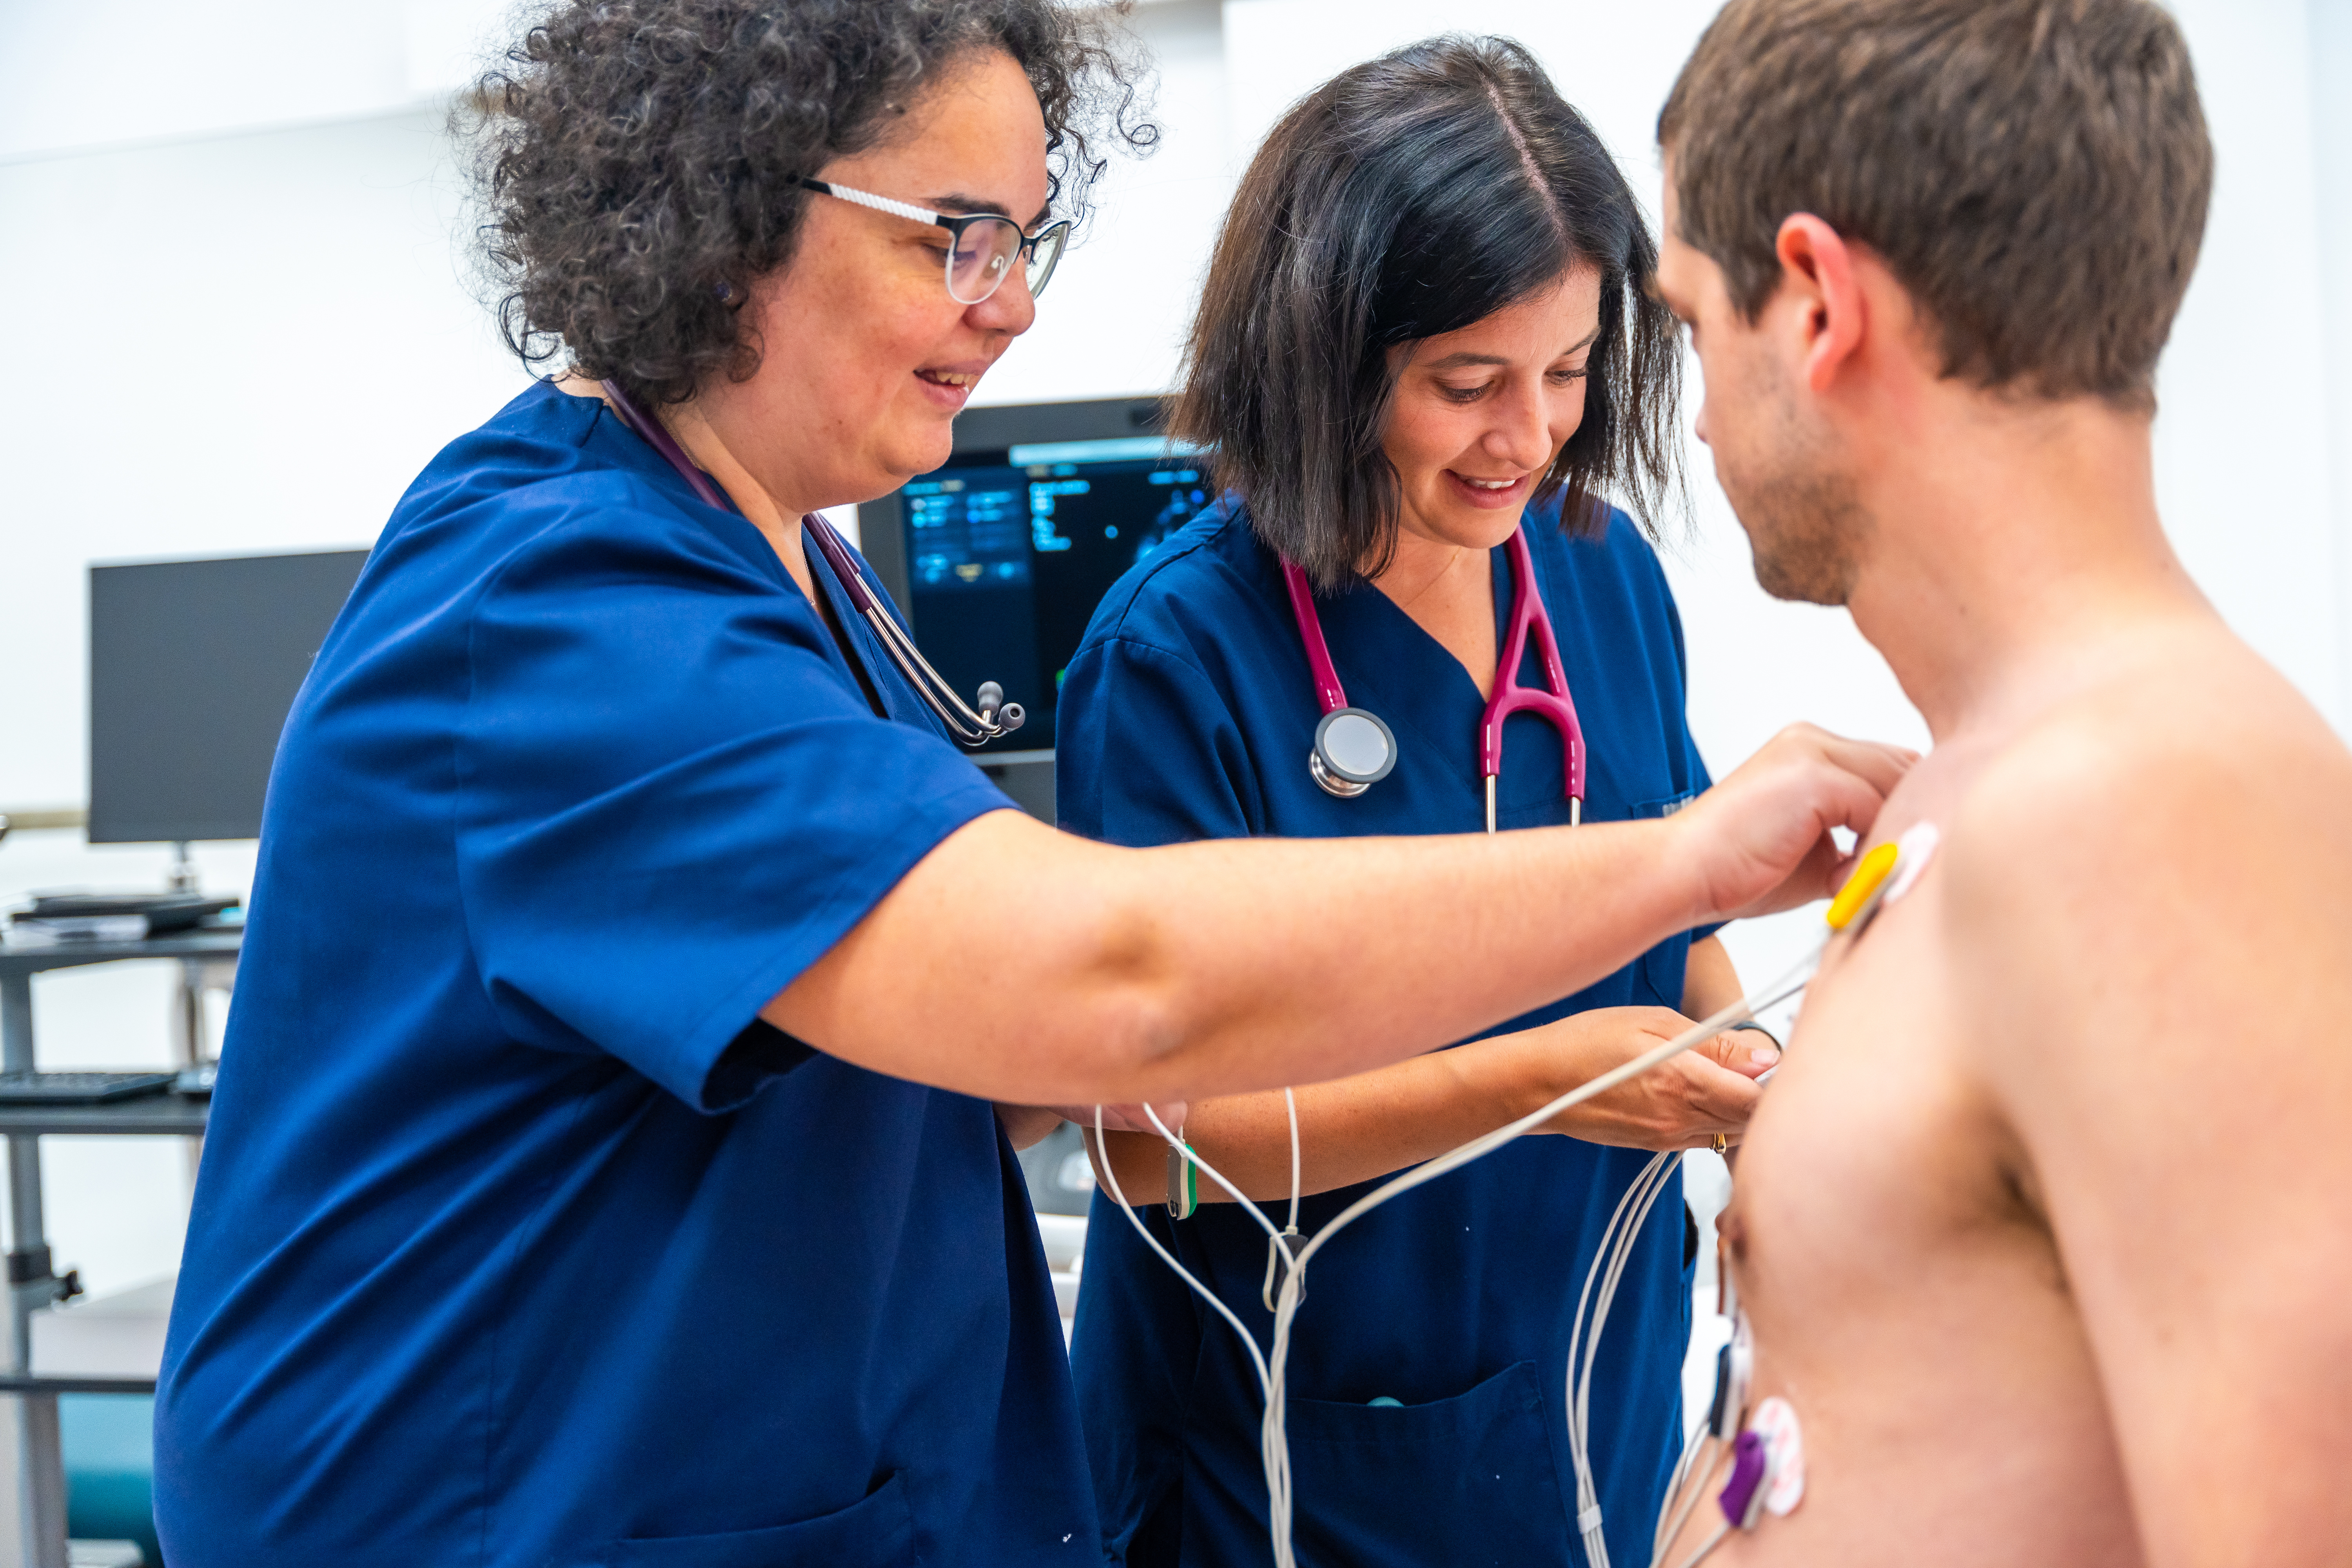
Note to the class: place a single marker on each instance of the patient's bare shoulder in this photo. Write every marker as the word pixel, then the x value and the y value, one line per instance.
pixel 2147 932
pixel 2190 796
pixel 2146 900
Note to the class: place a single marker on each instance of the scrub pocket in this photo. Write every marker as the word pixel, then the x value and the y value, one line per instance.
pixel 1469 1480
pixel 877 1532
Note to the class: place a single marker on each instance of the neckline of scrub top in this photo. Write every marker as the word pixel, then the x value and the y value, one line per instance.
pixel 1431 709
pixel 848 637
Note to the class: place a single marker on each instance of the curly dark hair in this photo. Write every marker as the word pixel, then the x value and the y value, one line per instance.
pixel 636 159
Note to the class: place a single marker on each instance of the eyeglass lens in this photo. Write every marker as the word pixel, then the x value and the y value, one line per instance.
pixel 983 257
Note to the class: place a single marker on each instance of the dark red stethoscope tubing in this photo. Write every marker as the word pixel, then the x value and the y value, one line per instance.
pixel 1527 615
pixel 1555 703
pixel 1327 689
pixel 828 542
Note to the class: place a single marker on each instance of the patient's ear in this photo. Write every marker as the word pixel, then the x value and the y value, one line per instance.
pixel 1827 310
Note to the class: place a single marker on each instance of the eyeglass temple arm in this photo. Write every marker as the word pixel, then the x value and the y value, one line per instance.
pixel 920 215
pixel 879 204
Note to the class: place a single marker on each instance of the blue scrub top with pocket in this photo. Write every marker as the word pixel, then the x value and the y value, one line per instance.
pixel 1188 713
pixel 519 1241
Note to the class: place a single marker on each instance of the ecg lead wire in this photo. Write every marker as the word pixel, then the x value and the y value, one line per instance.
pixel 1855 902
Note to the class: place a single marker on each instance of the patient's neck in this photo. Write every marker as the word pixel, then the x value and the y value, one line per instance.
pixel 2016 549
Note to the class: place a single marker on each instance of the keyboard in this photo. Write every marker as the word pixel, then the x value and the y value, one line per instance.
pixel 78 1088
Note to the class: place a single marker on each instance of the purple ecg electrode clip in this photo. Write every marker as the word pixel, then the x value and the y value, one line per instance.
pixel 1750 1464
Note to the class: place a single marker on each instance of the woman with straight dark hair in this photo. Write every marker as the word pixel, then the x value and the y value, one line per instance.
pixel 1426 355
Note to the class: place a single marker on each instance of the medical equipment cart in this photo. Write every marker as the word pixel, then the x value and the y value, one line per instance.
pixel 32 1282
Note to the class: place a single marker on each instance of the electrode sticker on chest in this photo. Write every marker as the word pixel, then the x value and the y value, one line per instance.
pixel 1784 1449
pixel 1912 853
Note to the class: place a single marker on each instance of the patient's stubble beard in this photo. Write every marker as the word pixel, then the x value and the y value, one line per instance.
pixel 1805 521
pixel 1805 531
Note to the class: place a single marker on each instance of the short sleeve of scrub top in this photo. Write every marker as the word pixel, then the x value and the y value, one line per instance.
pixel 607 867
pixel 519 1240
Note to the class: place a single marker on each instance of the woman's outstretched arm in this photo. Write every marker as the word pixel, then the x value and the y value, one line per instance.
pixel 1018 963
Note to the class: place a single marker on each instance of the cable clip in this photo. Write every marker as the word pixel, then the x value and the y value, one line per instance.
pixel 1183 1180
pixel 1743 1496
pixel 1277 1245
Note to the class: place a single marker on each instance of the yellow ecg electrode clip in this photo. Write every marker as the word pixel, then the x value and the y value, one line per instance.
pixel 1861 887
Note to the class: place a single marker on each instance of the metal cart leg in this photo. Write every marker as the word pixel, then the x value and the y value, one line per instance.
pixel 43 1504
pixel 31 1286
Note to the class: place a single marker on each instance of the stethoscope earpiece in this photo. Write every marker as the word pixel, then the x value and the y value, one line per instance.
pixel 1353 750
pixel 994 709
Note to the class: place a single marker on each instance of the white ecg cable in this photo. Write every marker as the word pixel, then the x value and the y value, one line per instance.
pixel 1698 1460
pixel 1609 1262
pixel 1281 1246
pixel 1274 1438
pixel 1856 902
pixel 1111 1179
pixel 1273 1453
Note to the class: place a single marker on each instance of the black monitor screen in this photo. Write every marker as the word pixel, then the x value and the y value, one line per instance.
pixel 1008 550
pixel 193 666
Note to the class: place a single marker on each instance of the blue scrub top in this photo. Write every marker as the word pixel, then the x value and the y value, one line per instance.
pixel 518 1240
pixel 1188 713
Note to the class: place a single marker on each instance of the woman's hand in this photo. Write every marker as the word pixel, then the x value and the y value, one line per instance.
pixel 1685 1102
pixel 1762 839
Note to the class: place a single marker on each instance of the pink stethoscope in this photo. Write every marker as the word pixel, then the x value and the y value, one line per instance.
pixel 1354 750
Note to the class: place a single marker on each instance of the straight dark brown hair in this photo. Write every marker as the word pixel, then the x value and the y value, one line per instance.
pixel 2036 173
pixel 1407 197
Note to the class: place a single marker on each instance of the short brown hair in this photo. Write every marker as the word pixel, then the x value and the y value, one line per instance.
pixel 1407 197
pixel 2036 173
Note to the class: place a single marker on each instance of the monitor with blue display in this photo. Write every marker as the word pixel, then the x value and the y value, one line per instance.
pixel 999 558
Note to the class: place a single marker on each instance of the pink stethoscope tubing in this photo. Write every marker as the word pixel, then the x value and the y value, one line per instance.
pixel 1553 702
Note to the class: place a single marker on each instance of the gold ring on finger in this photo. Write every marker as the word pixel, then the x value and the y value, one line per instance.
pixel 1720 1143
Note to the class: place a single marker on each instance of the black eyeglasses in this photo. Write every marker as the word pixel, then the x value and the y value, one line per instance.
pixel 982 247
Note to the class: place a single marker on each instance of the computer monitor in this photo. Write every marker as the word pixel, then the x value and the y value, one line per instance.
pixel 999 557
pixel 193 666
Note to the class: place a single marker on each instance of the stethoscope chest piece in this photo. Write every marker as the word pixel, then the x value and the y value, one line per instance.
pixel 1353 750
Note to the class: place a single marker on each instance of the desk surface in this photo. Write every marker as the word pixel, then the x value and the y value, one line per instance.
pixel 43 1383
pixel 203 941
pixel 149 1115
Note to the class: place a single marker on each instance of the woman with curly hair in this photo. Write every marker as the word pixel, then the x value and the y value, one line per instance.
pixel 604 1169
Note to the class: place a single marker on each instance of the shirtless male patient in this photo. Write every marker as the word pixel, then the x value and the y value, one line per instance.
pixel 2044 1228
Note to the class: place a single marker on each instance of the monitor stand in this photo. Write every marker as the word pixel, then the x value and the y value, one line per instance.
pixel 183 877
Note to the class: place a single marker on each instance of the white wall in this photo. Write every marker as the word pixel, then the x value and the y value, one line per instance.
pixel 237 323
pixel 2331 98
pixel 231 273
pixel 1113 322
